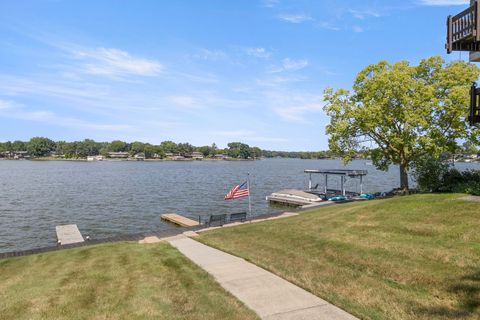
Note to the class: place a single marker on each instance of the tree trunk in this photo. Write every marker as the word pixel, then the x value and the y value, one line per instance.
pixel 404 178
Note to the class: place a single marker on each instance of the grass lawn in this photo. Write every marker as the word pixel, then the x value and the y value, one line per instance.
pixel 415 257
pixel 113 281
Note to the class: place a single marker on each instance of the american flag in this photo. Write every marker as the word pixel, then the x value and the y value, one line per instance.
pixel 239 191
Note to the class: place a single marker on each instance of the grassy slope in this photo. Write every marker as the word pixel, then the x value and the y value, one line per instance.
pixel 401 258
pixel 112 281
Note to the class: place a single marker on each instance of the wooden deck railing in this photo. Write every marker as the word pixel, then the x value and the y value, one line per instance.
pixel 463 30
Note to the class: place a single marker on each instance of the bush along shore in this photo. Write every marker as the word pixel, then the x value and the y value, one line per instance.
pixel 433 175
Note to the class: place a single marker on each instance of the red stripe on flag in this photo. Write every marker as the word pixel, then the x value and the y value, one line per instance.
pixel 236 193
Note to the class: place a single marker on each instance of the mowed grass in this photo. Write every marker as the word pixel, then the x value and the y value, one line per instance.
pixel 113 281
pixel 414 257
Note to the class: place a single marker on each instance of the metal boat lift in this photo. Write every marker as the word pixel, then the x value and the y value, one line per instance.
pixel 343 173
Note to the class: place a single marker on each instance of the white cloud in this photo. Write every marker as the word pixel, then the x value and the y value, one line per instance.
pixel 184 101
pixel 60 121
pixel 443 2
pixel 293 65
pixel 289 65
pixel 297 113
pixel 234 133
pixel 357 29
pixel 279 80
pixel 258 52
pixel 15 86
pixel 267 139
pixel 365 13
pixel 213 55
pixel 270 3
pixel 247 136
pixel 329 26
pixel 294 18
pixel 4 104
pixel 116 63
pixel 295 106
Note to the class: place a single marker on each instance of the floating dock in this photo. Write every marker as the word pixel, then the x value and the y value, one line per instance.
pixel 68 234
pixel 180 220
pixel 293 197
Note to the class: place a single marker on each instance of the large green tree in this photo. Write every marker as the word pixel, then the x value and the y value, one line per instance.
pixel 398 113
pixel 18 145
pixel 40 147
pixel 169 147
pixel 239 150
pixel 117 146
pixel 137 147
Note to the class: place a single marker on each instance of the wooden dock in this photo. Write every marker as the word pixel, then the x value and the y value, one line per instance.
pixel 68 234
pixel 180 220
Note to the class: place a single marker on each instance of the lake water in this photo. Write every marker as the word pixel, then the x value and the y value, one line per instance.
pixel 113 198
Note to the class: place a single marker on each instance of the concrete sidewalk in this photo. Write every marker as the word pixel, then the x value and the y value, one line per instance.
pixel 270 296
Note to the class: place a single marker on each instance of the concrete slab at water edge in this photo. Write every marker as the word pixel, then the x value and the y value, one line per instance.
pixel 270 296
pixel 68 234
pixel 152 239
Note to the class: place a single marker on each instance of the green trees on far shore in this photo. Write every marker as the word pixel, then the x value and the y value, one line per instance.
pixel 44 147
pixel 39 146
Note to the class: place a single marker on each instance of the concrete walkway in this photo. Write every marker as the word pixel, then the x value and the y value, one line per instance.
pixel 270 296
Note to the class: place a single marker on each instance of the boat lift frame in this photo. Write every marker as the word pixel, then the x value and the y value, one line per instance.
pixel 343 173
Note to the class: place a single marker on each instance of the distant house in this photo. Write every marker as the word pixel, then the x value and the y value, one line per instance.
pixel 95 158
pixel 6 154
pixel 21 155
pixel 220 156
pixel 17 155
pixel 175 156
pixel 139 156
pixel 196 155
pixel 118 155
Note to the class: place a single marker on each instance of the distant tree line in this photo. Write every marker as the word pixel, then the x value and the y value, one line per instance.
pixel 43 147
pixel 298 154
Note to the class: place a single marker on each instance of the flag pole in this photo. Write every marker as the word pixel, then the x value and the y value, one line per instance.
pixel 249 190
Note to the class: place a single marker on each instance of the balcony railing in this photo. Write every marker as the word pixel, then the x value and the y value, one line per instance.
pixel 463 30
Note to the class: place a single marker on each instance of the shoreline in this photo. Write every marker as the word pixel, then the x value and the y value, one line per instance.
pixel 175 230
pixel 125 160
pixel 160 160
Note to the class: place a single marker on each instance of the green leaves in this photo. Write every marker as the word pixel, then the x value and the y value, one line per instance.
pixel 404 111
pixel 40 146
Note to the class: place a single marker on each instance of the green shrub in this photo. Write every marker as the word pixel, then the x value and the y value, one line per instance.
pixel 434 176
pixel 428 173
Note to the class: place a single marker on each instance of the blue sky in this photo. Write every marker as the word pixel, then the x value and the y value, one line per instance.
pixel 198 71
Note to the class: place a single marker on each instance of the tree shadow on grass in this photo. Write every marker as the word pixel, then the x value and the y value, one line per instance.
pixel 467 291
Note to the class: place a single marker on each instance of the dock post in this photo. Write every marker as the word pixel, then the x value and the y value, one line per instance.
pixel 361 185
pixel 326 184
pixel 309 181
pixel 343 185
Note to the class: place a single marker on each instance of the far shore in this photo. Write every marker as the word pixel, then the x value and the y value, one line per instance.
pixel 126 160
